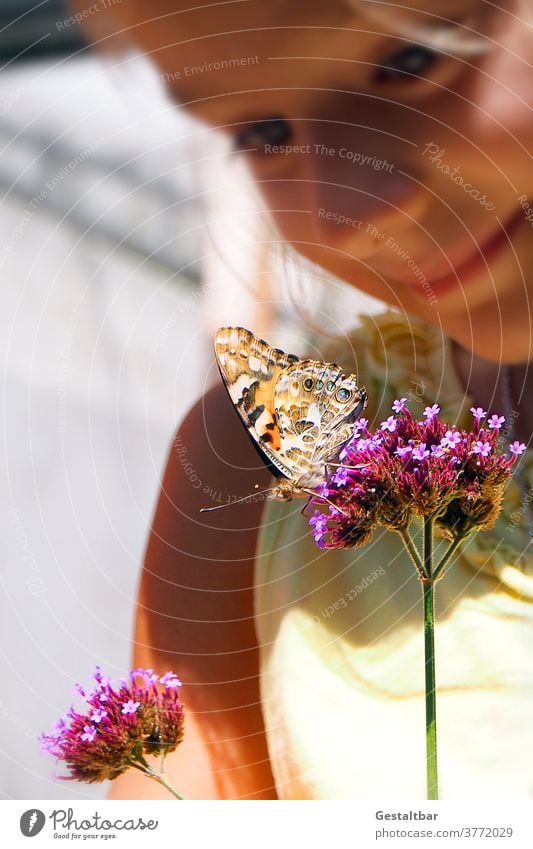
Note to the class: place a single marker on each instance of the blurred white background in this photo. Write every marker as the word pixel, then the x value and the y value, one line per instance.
pixel 100 325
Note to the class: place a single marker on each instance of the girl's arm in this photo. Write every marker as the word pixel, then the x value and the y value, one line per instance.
pixel 195 610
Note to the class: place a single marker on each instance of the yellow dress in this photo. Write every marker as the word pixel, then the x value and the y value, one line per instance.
pixel 340 632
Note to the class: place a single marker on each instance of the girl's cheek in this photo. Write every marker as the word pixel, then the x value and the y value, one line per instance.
pixel 491 135
pixel 504 90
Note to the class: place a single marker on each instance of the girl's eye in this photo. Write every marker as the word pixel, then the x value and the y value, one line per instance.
pixel 410 62
pixel 260 133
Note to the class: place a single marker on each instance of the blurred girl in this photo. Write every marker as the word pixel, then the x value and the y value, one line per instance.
pixel 391 143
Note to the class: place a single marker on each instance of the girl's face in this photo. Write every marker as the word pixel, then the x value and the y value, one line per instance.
pixel 402 169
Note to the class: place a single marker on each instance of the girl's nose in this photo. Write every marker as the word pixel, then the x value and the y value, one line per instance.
pixel 358 184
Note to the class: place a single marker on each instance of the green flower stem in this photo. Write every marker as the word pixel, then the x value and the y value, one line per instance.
pixel 411 550
pixel 441 565
pixel 140 763
pixel 428 547
pixel 428 577
pixel 428 589
pixel 163 781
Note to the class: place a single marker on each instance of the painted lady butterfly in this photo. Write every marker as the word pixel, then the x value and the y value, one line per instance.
pixel 299 413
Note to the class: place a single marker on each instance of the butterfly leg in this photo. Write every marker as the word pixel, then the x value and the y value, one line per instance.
pixel 345 466
pixel 304 508
pixel 323 498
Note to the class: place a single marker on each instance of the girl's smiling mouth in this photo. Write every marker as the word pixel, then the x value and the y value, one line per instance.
pixel 471 268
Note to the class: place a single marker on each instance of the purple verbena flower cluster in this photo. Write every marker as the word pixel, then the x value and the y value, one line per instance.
pixel 410 468
pixel 123 722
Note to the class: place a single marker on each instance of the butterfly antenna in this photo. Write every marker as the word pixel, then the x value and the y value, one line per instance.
pixel 245 498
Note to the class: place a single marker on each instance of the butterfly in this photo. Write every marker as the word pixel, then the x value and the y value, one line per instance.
pixel 299 413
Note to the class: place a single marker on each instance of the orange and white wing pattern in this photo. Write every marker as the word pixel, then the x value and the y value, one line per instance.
pixel 250 368
pixel 298 412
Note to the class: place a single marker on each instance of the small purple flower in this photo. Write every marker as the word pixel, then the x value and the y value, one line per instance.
pixel 150 675
pixel 340 477
pixel 318 519
pixel 451 439
pixel 173 683
pixel 170 680
pixel 495 422
pixel 516 448
pixel 482 448
pixel 431 412
pixel 399 405
pixel 478 413
pixel 420 452
pixel 403 451
pixel 98 714
pixel 89 733
pixel 361 424
pixel 389 424
pixel 318 522
pixel 130 707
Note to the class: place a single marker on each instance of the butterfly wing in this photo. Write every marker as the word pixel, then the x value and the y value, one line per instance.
pixel 315 405
pixel 250 369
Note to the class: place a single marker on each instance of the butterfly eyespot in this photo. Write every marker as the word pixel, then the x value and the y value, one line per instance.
pixel 319 384
pixel 244 353
pixel 308 384
pixel 343 394
pixel 232 351
pixel 330 385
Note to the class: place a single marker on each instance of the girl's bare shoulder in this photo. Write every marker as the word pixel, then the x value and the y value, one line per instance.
pixel 196 592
